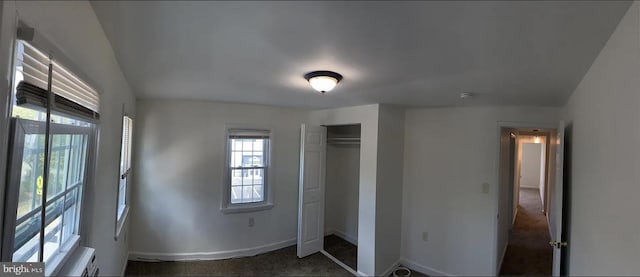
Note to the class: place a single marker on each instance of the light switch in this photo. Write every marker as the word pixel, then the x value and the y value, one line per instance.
pixel 252 222
pixel 425 236
pixel 485 187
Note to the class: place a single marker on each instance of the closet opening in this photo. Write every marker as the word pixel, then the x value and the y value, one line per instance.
pixel 342 194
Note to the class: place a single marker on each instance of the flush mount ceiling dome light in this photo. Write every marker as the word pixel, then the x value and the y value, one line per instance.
pixel 323 80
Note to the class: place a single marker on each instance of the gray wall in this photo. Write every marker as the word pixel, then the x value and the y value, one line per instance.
pixel 389 187
pixel 531 165
pixel 341 190
pixel 449 153
pixel 180 150
pixel 604 111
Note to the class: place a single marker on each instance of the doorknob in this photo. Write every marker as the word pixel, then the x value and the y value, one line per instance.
pixel 558 244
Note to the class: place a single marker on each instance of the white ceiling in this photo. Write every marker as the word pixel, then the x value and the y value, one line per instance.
pixel 417 53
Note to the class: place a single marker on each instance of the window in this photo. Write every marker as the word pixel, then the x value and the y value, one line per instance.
pixel 51 150
pixel 247 185
pixel 125 170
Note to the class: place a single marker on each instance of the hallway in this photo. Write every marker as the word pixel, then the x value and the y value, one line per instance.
pixel 528 252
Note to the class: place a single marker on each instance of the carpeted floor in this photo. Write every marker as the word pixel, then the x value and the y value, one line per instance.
pixel 283 262
pixel 342 250
pixel 528 251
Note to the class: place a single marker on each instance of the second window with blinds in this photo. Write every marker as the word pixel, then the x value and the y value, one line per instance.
pixel 246 185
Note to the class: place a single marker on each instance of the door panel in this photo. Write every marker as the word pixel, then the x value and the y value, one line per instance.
pixel 311 190
pixel 555 219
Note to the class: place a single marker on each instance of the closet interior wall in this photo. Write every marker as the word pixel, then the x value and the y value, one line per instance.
pixel 342 181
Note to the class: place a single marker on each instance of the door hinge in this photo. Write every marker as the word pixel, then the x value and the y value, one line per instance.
pixel 558 244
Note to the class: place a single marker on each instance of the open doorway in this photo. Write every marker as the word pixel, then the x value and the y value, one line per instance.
pixel 342 194
pixel 528 165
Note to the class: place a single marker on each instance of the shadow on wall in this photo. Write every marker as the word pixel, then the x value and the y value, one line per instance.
pixel 566 198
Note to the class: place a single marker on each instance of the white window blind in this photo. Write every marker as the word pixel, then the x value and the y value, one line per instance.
pixel 32 64
pixel 67 85
pixel 75 96
pixel 125 161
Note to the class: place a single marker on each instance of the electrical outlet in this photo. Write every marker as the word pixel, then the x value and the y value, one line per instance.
pixel 485 187
pixel 425 236
pixel 252 222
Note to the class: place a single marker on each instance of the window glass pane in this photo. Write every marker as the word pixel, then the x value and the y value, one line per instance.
pixel 27 240
pixel 70 221
pixel 122 196
pixel 236 177
pixel 236 194
pixel 246 194
pixel 257 193
pixel 59 164
pixel 32 170
pixel 52 230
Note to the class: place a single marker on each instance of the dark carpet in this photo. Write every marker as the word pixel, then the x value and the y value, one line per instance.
pixel 528 251
pixel 283 262
pixel 342 250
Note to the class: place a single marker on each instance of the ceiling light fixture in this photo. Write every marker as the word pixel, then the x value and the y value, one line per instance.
pixel 323 80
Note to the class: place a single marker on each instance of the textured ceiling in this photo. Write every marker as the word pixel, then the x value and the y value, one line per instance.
pixel 417 53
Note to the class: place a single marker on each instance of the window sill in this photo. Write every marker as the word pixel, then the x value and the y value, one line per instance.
pixel 246 208
pixel 121 223
pixel 53 266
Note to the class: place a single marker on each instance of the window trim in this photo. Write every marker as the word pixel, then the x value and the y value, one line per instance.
pixel 226 206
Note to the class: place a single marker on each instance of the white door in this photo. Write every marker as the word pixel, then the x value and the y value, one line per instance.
pixel 556 207
pixel 311 190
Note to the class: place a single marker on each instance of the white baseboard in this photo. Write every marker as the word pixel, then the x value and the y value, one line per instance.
pixel 216 255
pixel 422 268
pixel 353 240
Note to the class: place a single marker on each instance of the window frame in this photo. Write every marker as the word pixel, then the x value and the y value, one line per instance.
pixel 18 134
pixel 267 203
pixel 121 218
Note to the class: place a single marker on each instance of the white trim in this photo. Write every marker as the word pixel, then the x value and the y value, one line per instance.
pixel 390 270
pixel 342 235
pixel 422 268
pixel 215 255
pixel 340 263
pixel 504 253
pixel 246 208
pixel 549 225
